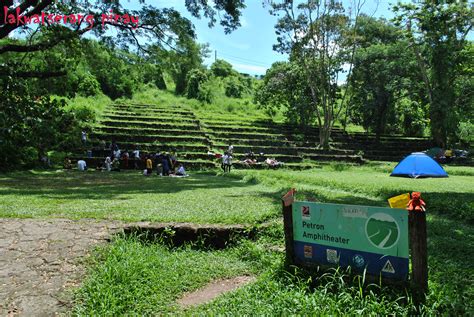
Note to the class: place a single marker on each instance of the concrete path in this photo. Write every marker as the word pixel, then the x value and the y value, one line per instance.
pixel 40 260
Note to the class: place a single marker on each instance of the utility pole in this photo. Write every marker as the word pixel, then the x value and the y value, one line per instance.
pixel 215 56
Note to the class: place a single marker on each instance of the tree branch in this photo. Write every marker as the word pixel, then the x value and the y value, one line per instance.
pixel 8 28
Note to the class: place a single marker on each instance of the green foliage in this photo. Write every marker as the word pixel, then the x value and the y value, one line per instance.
pixel 114 71
pixel 221 68
pixel 196 78
pixel 32 126
pixel 234 87
pixel 314 33
pixel 88 86
pixel 206 92
pixel 384 84
pixel 179 63
pixel 413 117
pixel 285 88
pixel 465 132
pixel 437 34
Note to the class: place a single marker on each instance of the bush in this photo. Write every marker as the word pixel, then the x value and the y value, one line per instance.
pixel 465 132
pixel 36 125
pixel 206 93
pixel 195 79
pixel 88 86
pixel 234 87
pixel 221 68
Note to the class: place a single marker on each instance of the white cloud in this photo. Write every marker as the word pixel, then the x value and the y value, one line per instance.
pixel 252 69
pixel 244 22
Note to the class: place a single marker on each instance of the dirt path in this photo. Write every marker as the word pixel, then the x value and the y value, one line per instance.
pixel 213 290
pixel 39 260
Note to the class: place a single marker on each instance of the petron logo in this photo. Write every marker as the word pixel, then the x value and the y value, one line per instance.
pixel 382 231
pixel 305 212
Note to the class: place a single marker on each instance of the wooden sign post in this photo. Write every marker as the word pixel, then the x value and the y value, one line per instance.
pixel 418 244
pixel 287 204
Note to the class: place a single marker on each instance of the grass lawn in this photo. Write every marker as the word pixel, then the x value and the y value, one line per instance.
pixel 130 196
pixel 131 277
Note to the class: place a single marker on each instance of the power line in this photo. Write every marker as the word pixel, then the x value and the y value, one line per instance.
pixel 246 60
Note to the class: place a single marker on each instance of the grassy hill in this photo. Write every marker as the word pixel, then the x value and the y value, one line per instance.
pixel 157 121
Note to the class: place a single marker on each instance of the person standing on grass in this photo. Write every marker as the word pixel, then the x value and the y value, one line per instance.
pixel 81 165
pixel 84 138
pixel 224 160
pixel 136 157
pixel 229 162
pixel 149 166
pixel 108 164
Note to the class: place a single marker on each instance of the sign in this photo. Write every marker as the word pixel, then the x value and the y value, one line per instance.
pixel 366 238
pixel 400 201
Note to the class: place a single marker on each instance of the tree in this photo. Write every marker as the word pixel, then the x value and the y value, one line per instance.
pixel 437 31
pixel 196 78
pixel 162 27
pixel 384 73
pixel 284 87
pixel 187 56
pixel 221 68
pixel 31 126
pixel 314 33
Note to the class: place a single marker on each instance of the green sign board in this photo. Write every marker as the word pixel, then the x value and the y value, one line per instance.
pixel 366 238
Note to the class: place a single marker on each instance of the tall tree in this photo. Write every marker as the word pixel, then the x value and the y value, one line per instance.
pixel 437 31
pixel 384 72
pixel 314 33
pixel 284 87
pixel 162 27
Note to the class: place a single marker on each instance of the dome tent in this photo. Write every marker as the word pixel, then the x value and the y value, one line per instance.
pixel 418 165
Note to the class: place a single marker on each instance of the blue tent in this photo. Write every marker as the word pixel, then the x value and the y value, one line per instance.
pixel 418 165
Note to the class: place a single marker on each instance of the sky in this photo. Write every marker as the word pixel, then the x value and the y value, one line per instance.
pixel 249 48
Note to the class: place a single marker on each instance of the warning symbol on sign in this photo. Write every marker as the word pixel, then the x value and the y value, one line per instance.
pixel 388 267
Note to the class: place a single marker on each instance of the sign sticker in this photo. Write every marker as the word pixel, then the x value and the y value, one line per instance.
pixel 388 267
pixel 305 212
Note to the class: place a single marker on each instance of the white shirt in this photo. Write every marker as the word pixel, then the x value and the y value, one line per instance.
pixel 136 154
pixel 181 170
pixel 81 165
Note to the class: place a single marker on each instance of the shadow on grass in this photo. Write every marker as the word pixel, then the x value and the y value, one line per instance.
pixel 103 185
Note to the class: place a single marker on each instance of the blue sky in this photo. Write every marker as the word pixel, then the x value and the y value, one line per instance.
pixel 249 48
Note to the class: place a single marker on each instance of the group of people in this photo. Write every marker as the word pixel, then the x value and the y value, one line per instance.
pixel 252 159
pixel 165 165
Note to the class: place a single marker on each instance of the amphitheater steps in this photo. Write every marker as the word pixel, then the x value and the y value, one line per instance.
pixel 155 128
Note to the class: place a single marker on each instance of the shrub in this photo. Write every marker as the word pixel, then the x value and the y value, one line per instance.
pixel 195 79
pixel 221 68
pixel 88 86
pixel 465 132
pixel 234 87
